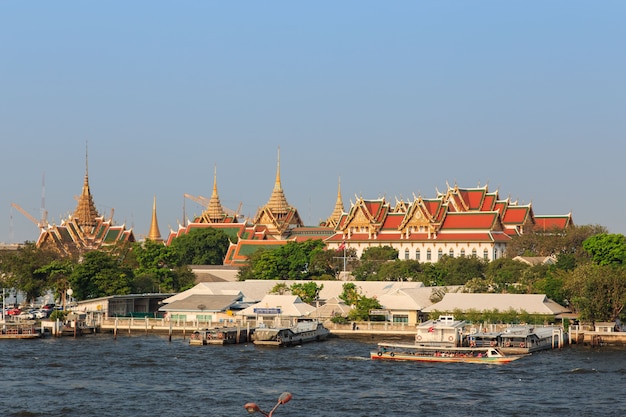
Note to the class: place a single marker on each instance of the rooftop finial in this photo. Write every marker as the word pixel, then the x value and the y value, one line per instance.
pixel 277 185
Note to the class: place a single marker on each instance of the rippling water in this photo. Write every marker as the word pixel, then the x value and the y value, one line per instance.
pixel 145 375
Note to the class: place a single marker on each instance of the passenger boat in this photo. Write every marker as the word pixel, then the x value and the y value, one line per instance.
pixel 304 331
pixel 400 352
pixel 219 336
pixel 519 339
pixel 19 330
pixel 444 331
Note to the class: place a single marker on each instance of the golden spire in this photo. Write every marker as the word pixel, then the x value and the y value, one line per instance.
pixel 338 211
pixel 86 213
pixel 278 203
pixel 214 211
pixel 154 233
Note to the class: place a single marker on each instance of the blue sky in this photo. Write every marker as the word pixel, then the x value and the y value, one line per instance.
pixel 395 98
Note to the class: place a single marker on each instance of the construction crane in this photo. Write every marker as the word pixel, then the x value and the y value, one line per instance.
pixel 40 223
pixel 204 202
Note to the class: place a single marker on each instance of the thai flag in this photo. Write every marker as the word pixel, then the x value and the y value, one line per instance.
pixel 342 246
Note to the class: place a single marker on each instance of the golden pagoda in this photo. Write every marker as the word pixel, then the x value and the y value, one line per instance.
pixel 154 234
pixel 85 214
pixel 334 218
pixel 277 215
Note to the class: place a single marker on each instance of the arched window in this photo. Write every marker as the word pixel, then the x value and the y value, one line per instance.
pixel 406 254
pixel 417 255
pixel 486 255
pixel 474 254
pixel 428 255
pixel 439 254
pixel 451 253
pixel 462 253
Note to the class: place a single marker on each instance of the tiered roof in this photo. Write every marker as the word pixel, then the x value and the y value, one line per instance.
pixel 84 230
pixel 277 215
pixel 458 214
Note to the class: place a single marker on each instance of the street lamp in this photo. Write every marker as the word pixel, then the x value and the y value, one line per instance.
pixel 253 408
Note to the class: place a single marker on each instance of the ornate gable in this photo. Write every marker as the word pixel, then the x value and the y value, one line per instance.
pixel 418 219
pixel 365 216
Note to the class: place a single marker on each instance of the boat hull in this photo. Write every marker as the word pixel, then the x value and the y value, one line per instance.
pixel 440 354
pixel 391 356
pixel 291 336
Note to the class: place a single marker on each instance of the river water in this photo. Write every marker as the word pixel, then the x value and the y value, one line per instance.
pixel 149 375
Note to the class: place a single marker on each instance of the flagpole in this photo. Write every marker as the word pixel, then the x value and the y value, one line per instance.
pixel 344 260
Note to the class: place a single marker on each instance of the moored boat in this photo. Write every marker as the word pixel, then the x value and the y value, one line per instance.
pixel 304 331
pixel 400 352
pixel 219 336
pixel 519 339
pixel 19 330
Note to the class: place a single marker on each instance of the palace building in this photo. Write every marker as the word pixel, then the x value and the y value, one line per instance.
pixel 457 222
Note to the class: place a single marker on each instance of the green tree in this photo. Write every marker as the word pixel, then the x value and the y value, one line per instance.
pixel 504 274
pixel 159 268
pixel 457 271
pixel 58 272
pixel 597 292
pixel 98 275
pixel 606 249
pixel 539 242
pixel 397 270
pixel 309 292
pixel 281 288
pixel 350 294
pixel 379 253
pixel 372 260
pixel 202 246
pixel 291 261
pixel 23 270
pixel 361 310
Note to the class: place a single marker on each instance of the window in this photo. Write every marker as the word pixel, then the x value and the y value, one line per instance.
pixel 474 254
pixel 439 254
pixel 400 318
pixel 462 253
pixel 204 318
pixel 451 253
pixel 486 255
pixel 406 254
pixel 417 255
pixel 428 255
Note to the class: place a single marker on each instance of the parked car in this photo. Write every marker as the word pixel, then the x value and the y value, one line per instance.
pixel 26 315
pixel 42 314
pixel 13 311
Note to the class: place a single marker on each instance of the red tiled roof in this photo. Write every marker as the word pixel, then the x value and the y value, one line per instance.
pixel 547 223
pixel 516 215
pixel 470 220
pixel 393 221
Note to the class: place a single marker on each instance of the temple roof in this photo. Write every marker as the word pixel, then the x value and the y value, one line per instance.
pixel 334 218
pixel 86 213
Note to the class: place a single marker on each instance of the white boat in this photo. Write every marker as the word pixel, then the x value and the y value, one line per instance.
pixel 519 339
pixel 19 330
pixel 304 331
pixel 401 352
pixel 444 331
